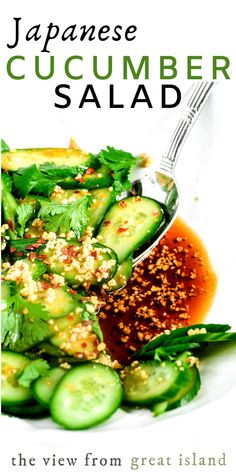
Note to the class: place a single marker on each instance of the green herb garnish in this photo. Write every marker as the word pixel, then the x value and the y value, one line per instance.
pixel 25 325
pixel 121 164
pixel 65 217
pixel 179 340
pixel 34 370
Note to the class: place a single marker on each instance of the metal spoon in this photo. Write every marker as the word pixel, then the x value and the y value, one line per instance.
pixel 161 184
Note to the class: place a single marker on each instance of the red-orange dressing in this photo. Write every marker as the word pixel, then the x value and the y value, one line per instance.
pixel 173 287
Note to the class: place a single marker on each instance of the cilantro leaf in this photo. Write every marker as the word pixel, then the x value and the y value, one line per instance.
pixel 31 179
pixel 4 146
pixel 121 163
pixel 24 212
pixel 25 324
pixel 65 217
pixel 182 339
pixel 90 314
pixel 61 172
pixel 34 370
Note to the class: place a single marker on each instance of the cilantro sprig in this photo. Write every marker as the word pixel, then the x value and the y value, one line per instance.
pixel 34 370
pixel 121 164
pixel 61 218
pixel 192 337
pixel 24 324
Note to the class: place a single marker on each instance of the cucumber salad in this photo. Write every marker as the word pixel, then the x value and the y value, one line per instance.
pixel 70 226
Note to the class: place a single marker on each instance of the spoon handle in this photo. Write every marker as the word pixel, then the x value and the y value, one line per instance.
pixel 188 117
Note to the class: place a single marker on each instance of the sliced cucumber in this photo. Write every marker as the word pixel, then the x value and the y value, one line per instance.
pixel 12 393
pixel 123 273
pixel 77 340
pixel 45 347
pixel 129 224
pixel 81 264
pixel 98 179
pixel 147 382
pixel 27 411
pixel 186 393
pixel 37 268
pixel 102 200
pixel 58 301
pixel 14 160
pixel 44 387
pixel 85 396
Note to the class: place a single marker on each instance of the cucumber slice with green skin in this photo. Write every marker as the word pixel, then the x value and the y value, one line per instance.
pixel 58 301
pixel 102 200
pixel 14 160
pixel 81 264
pixel 148 382
pixel 44 387
pixel 12 364
pixel 77 340
pixel 186 393
pixel 123 273
pixel 98 179
pixel 86 396
pixel 46 347
pixel 129 224
pixel 37 268
pixel 34 411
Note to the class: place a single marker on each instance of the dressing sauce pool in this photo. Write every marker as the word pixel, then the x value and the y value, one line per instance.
pixel 173 287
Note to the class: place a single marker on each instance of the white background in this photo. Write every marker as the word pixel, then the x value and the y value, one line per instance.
pixel 206 170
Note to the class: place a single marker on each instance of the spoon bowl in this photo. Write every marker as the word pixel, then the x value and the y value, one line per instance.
pixel 160 184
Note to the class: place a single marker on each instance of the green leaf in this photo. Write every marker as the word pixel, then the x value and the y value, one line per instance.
pixel 32 180
pixel 4 146
pixel 61 218
pixel 25 325
pixel 182 339
pixel 24 213
pixel 33 371
pixel 6 182
pixel 121 163
pixel 90 314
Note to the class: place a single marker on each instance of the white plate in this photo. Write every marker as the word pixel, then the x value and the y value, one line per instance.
pixel 206 170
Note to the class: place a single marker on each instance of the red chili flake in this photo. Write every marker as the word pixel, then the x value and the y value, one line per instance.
pixel 95 342
pixel 122 204
pixel 28 236
pixel 10 224
pixel 106 223
pixel 89 171
pixel 73 292
pixel 45 285
pixel 94 253
pixel 84 345
pixel 80 179
pixel 137 199
pixel 44 258
pixel 57 285
pixel 19 254
pixel 68 260
pixel 31 256
pixel 70 250
pixel 12 249
pixel 122 230
pixel 35 245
